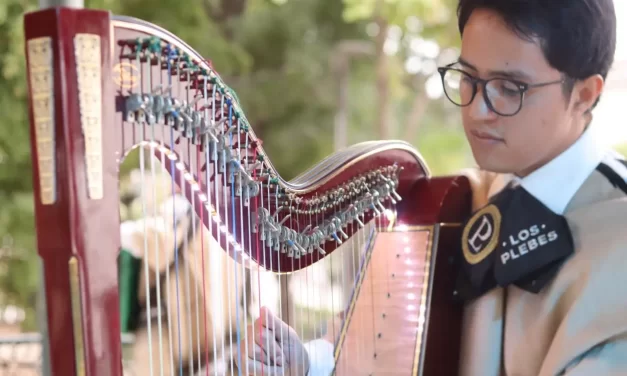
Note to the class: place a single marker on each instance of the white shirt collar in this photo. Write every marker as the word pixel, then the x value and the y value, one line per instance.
pixel 555 183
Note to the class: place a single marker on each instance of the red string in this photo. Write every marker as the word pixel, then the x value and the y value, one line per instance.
pixel 202 246
pixel 256 206
pixel 202 250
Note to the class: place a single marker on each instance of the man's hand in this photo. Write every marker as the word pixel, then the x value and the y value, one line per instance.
pixel 275 348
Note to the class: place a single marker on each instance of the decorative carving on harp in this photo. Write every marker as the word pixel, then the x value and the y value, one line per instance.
pixel 232 236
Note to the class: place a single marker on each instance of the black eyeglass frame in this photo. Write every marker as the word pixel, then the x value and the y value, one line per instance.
pixel 522 87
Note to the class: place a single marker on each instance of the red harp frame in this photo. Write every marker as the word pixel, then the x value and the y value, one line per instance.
pixel 79 136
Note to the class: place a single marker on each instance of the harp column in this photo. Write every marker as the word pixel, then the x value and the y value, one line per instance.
pixel 75 184
pixel 41 303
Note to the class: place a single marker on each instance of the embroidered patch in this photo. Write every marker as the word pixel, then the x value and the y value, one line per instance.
pixel 481 234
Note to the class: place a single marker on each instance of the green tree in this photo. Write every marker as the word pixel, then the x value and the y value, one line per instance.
pixel 18 267
pixel 278 57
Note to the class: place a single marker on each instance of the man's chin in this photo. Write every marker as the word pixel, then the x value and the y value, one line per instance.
pixel 494 165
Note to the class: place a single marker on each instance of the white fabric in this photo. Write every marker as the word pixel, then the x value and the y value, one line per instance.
pixel 175 207
pixel 555 183
pixel 321 358
pixel 128 230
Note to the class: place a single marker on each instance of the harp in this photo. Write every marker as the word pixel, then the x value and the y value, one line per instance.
pixel 233 235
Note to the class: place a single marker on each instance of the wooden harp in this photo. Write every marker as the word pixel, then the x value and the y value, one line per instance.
pixel 103 86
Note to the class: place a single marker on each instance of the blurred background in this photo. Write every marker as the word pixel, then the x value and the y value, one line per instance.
pixel 313 76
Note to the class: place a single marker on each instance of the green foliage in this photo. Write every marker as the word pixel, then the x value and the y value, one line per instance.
pixel 276 55
pixel 433 18
pixel 622 149
pixel 18 258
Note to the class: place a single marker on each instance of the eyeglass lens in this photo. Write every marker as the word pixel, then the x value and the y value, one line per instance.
pixel 504 95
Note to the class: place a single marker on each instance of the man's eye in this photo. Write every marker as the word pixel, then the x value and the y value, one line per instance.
pixel 508 88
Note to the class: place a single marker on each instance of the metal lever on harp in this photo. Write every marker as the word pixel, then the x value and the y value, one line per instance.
pixel 362 239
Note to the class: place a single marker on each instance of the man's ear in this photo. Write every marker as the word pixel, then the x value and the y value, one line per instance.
pixel 586 92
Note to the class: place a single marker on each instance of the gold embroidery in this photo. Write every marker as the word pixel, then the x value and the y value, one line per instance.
pixel 41 74
pixel 486 226
pixel 88 72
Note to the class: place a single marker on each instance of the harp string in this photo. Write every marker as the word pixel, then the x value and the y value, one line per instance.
pixel 306 314
pixel 187 310
pixel 241 203
pixel 215 287
pixel 233 187
pixel 202 259
pixel 193 240
pixel 269 347
pixel 257 200
pixel 225 216
pixel 176 253
pixel 300 288
pixel 145 223
pixel 220 226
pixel 250 226
pixel 279 279
pixel 157 270
pixel 169 298
pixel 244 206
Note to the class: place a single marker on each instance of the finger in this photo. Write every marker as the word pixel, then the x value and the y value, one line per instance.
pixel 273 351
pixel 259 368
pixel 253 351
pixel 278 326
pixel 255 364
pixel 258 354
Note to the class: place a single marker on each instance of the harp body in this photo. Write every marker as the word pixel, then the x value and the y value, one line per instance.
pixel 102 86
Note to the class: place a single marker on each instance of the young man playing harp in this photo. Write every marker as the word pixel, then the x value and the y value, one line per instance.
pixel 552 301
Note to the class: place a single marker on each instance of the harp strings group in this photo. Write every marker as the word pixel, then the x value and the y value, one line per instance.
pixel 200 288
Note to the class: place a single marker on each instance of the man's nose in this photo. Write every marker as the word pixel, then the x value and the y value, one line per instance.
pixel 479 109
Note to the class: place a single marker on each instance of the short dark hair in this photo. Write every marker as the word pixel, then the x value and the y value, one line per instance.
pixel 577 37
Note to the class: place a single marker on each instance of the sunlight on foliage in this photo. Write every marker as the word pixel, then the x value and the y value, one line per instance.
pixel 276 56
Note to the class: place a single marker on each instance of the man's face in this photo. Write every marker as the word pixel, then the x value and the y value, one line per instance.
pixel 545 125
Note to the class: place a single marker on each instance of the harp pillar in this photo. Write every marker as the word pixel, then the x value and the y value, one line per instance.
pixel 68 111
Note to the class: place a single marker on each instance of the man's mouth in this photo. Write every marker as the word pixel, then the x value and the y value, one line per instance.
pixel 486 136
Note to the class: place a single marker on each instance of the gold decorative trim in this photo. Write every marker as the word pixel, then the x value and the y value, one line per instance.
pixel 422 312
pixel 41 74
pixel 478 255
pixel 88 72
pixel 125 75
pixel 351 307
pixel 423 299
pixel 77 317
pixel 451 224
pixel 403 228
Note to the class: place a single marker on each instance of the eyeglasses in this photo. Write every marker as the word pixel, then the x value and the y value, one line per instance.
pixel 503 96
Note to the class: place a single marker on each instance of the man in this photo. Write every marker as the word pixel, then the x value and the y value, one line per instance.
pixel 529 75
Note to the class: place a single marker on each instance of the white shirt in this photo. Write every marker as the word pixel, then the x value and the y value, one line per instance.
pixel 321 357
pixel 556 183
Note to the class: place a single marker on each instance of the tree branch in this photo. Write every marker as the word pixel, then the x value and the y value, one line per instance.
pixel 416 114
pixel 223 12
pixel 383 79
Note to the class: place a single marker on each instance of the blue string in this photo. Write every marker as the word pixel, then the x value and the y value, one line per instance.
pixel 228 101
pixel 171 53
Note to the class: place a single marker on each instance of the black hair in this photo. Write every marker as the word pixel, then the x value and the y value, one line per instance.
pixel 577 37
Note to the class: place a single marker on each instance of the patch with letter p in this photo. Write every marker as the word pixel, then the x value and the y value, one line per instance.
pixel 481 234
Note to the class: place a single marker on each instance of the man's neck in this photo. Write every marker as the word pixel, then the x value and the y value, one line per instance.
pixel 554 153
